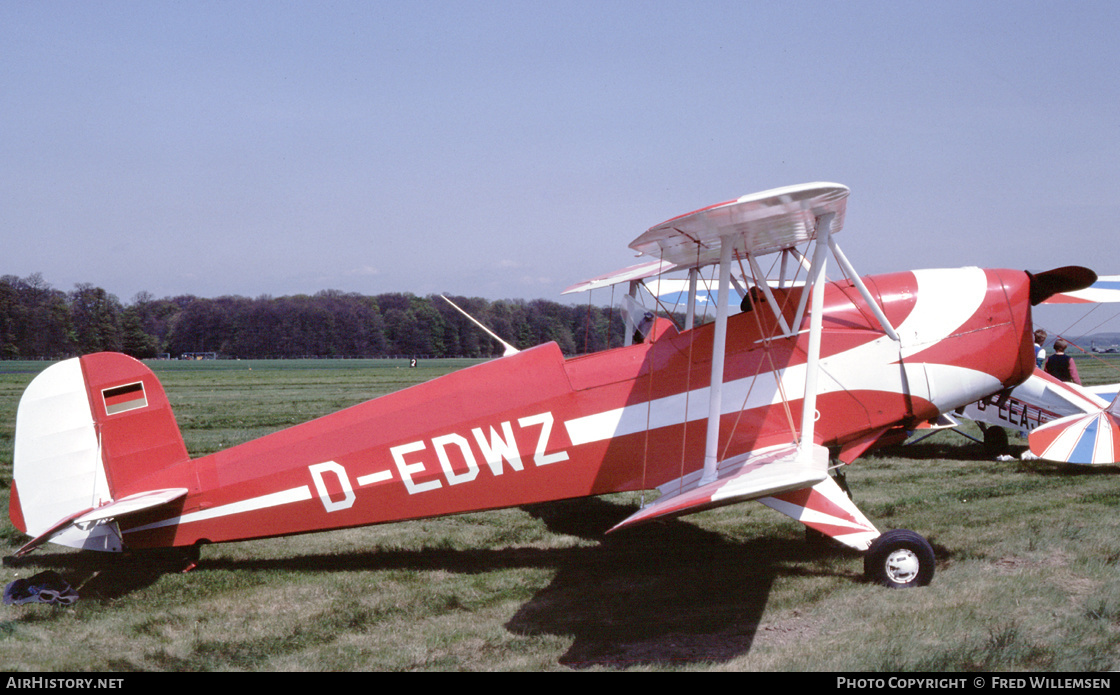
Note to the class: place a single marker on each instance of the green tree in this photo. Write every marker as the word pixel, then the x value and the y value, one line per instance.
pixel 97 319
pixel 134 341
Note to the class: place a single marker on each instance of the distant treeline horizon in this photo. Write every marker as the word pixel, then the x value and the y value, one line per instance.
pixel 38 321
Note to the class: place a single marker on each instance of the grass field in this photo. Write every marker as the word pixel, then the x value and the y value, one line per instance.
pixel 1028 574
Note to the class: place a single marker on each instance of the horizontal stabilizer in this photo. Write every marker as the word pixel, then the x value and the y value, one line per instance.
pixel 46 536
pixel 100 516
pixel 757 474
pixel 139 502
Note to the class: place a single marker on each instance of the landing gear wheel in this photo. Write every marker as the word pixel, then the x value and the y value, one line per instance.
pixel 899 559
pixel 995 441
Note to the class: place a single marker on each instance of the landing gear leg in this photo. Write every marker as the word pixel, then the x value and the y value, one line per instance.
pixel 816 538
pixel 841 479
pixel 898 559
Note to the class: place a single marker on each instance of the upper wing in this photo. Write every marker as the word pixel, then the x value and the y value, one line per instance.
pixel 757 224
pixel 631 273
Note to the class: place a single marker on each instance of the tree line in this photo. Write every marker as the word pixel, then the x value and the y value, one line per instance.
pixel 38 321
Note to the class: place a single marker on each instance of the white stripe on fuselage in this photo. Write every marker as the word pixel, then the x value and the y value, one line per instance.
pixel 275 499
pixel 944 301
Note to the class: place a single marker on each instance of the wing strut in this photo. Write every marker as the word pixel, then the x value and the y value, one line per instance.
pixel 761 283
pixel 858 282
pixel 690 315
pixel 719 350
pixel 816 322
pixel 764 223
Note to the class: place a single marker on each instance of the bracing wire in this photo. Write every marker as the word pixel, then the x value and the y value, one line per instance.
pixel 649 397
pixel 587 328
pixel 767 347
pixel 1107 363
pixel 688 393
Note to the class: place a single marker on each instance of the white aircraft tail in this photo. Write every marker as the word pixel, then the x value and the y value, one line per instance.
pixel 88 431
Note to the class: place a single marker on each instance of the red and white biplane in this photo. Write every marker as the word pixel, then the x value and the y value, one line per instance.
pixel 746 407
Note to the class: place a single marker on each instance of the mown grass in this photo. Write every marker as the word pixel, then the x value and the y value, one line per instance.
pixel 1028 573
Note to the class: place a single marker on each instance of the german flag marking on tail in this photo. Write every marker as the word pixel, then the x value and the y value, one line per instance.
pixel 120 399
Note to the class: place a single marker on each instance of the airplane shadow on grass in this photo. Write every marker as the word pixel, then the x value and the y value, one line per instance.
pixel 660 594
pixel 664 593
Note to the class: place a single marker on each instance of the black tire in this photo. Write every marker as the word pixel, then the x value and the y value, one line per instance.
pixel 995 441
pixel 899 559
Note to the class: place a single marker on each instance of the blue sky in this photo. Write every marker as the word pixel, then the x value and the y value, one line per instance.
pixel 509 149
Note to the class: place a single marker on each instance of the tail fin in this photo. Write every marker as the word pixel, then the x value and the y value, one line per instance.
pixel 87 431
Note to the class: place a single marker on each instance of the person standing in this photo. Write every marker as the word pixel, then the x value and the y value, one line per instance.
pixel 1060 364
pixel 1039 351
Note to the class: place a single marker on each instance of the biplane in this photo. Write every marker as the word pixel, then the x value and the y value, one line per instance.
pixel 759 404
